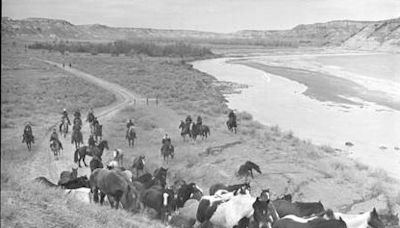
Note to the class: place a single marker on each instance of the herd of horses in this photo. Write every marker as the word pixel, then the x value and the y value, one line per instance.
pixel 185 204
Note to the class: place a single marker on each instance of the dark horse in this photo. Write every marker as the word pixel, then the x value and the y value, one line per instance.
pixel 131 136
pixel 230 188
pixel 76 137
pixel 232 125
pixel 315 223
pixel 161 200
pixel 185 130
pixel 95 163
pixel 83 151
pixel 28 138
pixel 167 150
pixel 199 129
pixel 247 169
pixel 64 127
pixel 80 182
pixel 300 209
pixel 161 174
pixel 138 164
pixel 116 186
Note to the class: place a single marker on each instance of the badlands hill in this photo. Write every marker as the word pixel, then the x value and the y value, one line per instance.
pixel 366 35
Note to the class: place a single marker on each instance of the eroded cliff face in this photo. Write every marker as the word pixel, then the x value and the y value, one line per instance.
pixel 365 35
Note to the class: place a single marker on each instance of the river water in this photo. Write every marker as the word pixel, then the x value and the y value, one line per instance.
pixel 273 100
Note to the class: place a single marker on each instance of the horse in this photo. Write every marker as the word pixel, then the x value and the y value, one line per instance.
pixel 64 127
pixel 138 164
pixel 81 152
pixel 230 188
pixel 80 182
pixel 232 125
pixel 161 200
pixel 204 131
pixel 55 147
pixel 364 220
pixel 184 130
pixel 297 222
pixel 115 185
pixel 167 150
pixel 262 207
pixel 131 136
pixel 187 191
pixel 98 132
pixel 90 117
pixel 95 163
pixel 28 138
pixel 161 174
pixel 299 209
pixel 76 137
pixel 237 211
pixel 66 176
pixel 247 169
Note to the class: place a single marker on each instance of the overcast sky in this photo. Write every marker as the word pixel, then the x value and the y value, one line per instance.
pixel 205 15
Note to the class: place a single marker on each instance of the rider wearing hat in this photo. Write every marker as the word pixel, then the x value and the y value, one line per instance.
pixel 54 137
pixel 28 131
pixel 199 121
pixel 166 139
pixel 64 116
pixel 188 119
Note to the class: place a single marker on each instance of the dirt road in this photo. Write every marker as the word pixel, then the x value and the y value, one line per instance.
pixel 44 163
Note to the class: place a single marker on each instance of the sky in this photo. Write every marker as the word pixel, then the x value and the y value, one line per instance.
pixel 203 15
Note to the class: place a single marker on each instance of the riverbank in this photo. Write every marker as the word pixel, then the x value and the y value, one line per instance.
pixel 289 164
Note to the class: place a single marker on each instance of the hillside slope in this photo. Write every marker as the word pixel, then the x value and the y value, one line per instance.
pixel 368 35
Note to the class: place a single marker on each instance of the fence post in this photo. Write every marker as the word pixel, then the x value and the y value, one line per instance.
pixel 147 101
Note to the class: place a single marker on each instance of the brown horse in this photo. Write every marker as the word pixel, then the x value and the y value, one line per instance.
pixel 116 186
pixel 28 138
pixel 84 150
pixel 138 164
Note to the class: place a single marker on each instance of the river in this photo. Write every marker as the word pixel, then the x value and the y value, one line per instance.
pixel 274 100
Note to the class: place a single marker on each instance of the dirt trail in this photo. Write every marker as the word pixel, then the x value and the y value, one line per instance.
pixel 43 163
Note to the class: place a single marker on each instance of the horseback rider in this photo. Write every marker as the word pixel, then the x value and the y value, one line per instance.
pixel 90 114
pixel 188 119
pixel 54 137
pixel 199 121
pixel 64 116
pixel 129 124
pixel 77 119
pixel 28 132
pixel 91 142
pixel 166 140
pixel 232 116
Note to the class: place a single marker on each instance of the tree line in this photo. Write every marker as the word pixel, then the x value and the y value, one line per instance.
pixel 177 49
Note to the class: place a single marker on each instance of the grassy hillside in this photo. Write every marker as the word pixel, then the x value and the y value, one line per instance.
pixel 289 164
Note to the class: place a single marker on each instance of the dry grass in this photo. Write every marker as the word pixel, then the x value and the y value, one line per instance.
pixel 288 163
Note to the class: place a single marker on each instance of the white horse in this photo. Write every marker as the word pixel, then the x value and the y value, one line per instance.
pixel 364 220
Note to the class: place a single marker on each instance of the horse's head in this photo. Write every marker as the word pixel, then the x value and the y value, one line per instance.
pixel 287 197
pixel 374 221
pixel 262 214
pixel 74 173
pixel 265 196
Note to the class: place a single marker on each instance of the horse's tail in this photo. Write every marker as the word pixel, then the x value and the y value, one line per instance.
pixel 76 155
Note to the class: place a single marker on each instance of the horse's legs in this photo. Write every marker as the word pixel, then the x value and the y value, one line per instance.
pixel 79 161
pixel 102 195
pixel 96 195
pixel 84 156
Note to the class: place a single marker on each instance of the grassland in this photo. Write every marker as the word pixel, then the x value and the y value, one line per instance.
pixel 289 164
